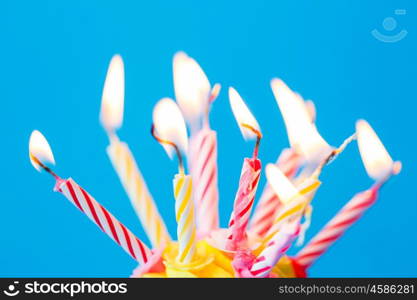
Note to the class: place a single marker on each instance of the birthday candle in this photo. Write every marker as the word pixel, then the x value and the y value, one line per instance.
pixel 294 199
pixel 203 168
pixel 249 177
pixel 194 96
pixel 299 117
pixel 169 130
pixel 40 152
pixel 122 159
pixel 308 187
pixel 306 140
pixel 275 249
pixel 184 214
pixel 280 240
pixel 379 167
pixel 269 203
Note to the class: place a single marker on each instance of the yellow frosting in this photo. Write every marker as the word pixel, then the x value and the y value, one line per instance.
pixel 209 262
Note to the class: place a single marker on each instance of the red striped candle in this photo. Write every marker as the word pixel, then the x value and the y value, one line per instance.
pixel 269 203
pixel 275 249
pixel 104 219
pixel 203 167
pixel 380 167
pixel 249 177
pixel 335 228
pixel 245 196
pixel 40 152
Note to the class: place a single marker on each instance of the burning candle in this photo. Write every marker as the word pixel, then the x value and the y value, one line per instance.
pixel 278 243
pixel 249 176
pixel 274 250
pixel 299 118
pixel 169 130
pixel 194 96
pixel 41 153
pixel 308 187
pixel 304 138
pixel 380 167
pixel 289 161
pixel 111 117
pixel 294 199
pixel 269 203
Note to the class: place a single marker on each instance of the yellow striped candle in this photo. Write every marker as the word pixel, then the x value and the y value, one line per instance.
pixel 295 200
pixel 139 195
pixel 111 116
pixel 184 213
pixel 194 95
pixel 169 130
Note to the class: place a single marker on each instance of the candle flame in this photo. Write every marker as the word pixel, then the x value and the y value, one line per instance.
pixel 376 159
pixel 215 91
pixel 280 184
pixel 112 101
pixel 192 88
pixel 243 116
pixel 311 109
pixel 39 150
pixel 298 116
pixel 170 125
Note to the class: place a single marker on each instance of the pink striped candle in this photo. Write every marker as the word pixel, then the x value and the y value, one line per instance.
pixel 269 203
pixel 275 249
pixel 195 95
pixel 380 167
pixel 249 177
pixel 245 196
pixel 335 228
pixel 203 168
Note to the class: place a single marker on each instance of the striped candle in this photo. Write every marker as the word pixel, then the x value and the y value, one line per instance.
pixel 184 212
pixel 137 191
pixel 295 208
pixel 104 219
pixel 111 117
pixel 335 228
pixel 380 167
pixel 248 183
pixel 275 249
pixel 269 203
pixel 203 167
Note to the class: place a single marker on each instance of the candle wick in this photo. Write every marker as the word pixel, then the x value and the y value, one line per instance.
pixel 258 138
pixel 345 143
pixel 112 136
pixel 333 155
pixel 395 170
pixel 213 94
pixel 172 144
pixel 47 169
pixel 256 149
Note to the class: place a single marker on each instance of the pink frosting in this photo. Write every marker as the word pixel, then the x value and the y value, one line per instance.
pixel 153 265
pixel 242 263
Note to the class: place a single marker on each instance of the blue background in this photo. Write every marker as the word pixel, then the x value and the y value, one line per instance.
pixel 54 56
